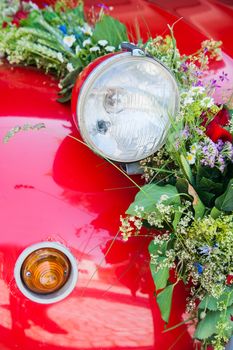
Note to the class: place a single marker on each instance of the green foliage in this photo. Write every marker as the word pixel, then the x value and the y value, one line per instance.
pixel 208 326
pixel 212 304
pixel 164 300
pixel 161 275
pixel 225 201
pixel 151 194
pixel 183 186
pixel 110 29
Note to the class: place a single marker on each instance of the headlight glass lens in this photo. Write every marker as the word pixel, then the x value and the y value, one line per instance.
pixel 125 107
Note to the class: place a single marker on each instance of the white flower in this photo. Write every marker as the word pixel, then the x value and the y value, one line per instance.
pixel 207 102
pixel 191 158
pixel 164 197
pixel 102 42
pixel 86 42
pixel 33 5
pixel 194 148
pixel 70 67
pixel 69 40
pixel 188 100
pixel 198 89
pixel 77 49
pixel 94 48
pixel 110 48
pixel 86 29
pixel 60 57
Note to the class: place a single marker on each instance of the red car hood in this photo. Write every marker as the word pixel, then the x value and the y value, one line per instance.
pixel 53 188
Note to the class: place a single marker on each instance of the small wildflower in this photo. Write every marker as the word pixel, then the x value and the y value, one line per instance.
pixel 205 250
pixel 70 67
pixel 77 49
pixel 164 197
pixel 109 48
pixel 194 148
pixel 223 76
pixel 69 40
pixel 94 49
pixel 191 158
pixel 102 42
pixel 199 267
pixel 207 102
pixel 87 42
pixel 63 28
pixel 86 29
pixel 60 57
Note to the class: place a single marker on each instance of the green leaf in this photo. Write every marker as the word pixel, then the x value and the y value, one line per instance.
pixel 164 300
pixel 211 303
pixel 160 277
pixel 210 186
pixel 207 327
pixel 187 169
pixel 215 213
pixel 155 247
pixel 225 201
pixel 110 29
pixel 150 195
pixel 183 186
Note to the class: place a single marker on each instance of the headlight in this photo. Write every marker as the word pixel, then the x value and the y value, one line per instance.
pixel 123 105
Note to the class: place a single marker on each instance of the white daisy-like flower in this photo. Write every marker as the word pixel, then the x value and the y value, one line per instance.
pixel 86 42
pixel 94 48
pixel 207 102
pixel 69 40
pixel 86 29
pixel 60 57
pixel 103 42
pixel 70 67
pixel 77 49
pixel 191 158
pixel 193 148
pixel 110 48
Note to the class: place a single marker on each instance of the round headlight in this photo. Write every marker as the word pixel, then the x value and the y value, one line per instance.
pixel 123 105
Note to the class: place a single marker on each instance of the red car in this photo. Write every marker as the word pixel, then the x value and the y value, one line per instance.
pixel 56 193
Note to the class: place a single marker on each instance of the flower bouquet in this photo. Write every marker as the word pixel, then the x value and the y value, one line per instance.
pixel 187 202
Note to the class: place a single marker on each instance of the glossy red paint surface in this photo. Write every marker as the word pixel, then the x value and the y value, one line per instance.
pixel 52 188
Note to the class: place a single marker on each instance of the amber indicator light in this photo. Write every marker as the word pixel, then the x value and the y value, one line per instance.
pixel 45 270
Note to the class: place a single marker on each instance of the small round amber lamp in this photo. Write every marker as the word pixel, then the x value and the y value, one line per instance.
pixel 45 270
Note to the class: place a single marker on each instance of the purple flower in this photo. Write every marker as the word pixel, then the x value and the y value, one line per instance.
pixel 224 76
pixel 199 83
pixel 185 133
pixel 213 84
pixel 220 145
pixel 103 6
pixel 184 67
